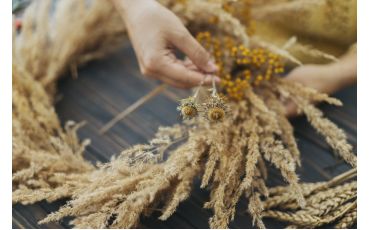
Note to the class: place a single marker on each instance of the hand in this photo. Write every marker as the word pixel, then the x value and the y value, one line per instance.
pixel 155 32
pixel 324 78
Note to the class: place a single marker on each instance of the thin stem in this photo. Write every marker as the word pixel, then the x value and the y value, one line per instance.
pixel 198 88
pixel 214 88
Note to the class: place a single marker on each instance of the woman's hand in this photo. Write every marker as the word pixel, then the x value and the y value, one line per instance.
pixel 155 32
pixel 324 78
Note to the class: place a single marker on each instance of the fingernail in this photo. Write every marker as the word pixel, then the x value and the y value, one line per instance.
pixel 211 67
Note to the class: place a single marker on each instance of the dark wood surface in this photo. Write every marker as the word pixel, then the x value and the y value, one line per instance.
pixel 106 87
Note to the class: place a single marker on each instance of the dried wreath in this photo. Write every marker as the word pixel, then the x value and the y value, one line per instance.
pixel 48 162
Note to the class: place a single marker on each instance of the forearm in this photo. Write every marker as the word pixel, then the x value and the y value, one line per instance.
pixel 344 72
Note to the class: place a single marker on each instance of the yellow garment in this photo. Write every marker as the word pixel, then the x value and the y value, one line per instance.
pixel 326 25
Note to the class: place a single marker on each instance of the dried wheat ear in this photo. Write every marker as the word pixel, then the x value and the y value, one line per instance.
pixel 333 202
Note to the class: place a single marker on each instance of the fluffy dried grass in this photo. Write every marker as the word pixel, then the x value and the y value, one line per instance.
pixel 47 159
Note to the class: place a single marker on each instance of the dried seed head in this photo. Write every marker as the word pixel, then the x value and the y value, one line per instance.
pixel 216 114
pixel 188 108
pixel 215 108
pixel 189 111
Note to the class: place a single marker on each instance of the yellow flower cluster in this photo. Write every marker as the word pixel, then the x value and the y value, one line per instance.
pixel 260 61
pixel 241 9
pixel 240 67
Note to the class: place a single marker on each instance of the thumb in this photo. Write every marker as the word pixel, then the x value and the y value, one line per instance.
pixel 194 51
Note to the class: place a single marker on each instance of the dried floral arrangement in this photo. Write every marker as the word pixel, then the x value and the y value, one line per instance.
pixel 47 160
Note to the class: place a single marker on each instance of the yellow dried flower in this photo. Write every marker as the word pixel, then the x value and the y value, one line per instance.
pixel 239 66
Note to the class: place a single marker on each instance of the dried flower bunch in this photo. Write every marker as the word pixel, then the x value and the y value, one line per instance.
pixel 213 107
pixel 230 155
pixel 239 66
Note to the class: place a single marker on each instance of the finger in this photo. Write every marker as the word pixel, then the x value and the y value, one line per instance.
pixel 177 72
pixel 208 77
pixel 165 79
pixel 190 65
pixel 196 53
pixel 173 83
pixel 184 85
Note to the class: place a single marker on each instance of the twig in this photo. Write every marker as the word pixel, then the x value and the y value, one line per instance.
pixel 132 108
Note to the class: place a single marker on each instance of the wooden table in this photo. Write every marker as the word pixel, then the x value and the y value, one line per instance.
pixel 106 87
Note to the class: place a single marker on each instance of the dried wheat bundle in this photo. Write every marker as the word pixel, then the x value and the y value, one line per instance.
pixel 124 192
pixel 53 41
pixel 228 144
pixel 332 202
pixel 242 127
pixel 47 159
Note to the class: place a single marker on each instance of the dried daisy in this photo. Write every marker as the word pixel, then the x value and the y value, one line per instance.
pixel 188 108
pixel 215 109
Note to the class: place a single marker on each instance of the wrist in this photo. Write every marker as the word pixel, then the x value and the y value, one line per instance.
pixel 343 72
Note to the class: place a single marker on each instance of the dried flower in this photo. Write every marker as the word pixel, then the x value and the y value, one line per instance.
pixel 188 108
pixel 215 109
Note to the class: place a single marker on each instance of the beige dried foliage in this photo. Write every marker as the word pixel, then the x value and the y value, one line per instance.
pixel 286 128
pixel 304 98
pixel 230 156
pixel 311 51
pixel 198 13
pixel 255 208
pixel 274 9
pixel 47 158
pixel 53 45
pixel 307 220
pixel 348 220
pixel 282 196
pixel 331 202
pixel 222 158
